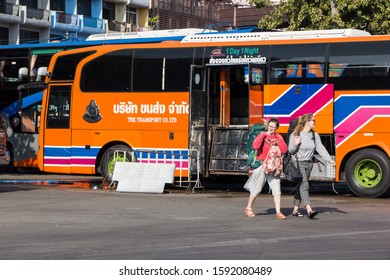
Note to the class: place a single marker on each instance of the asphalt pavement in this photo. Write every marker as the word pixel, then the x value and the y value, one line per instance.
pixel 64 220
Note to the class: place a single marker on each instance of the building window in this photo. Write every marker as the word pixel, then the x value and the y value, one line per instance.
pixel 29 3
pixel 57 5
pixel 28 36
pixel 108 10
pixel 84 7
pixel 3 36
pixel 131 16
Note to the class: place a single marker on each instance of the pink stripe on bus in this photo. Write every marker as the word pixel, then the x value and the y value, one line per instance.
pixel 360 117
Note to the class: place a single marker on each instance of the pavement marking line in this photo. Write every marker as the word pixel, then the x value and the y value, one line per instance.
pixel 254 241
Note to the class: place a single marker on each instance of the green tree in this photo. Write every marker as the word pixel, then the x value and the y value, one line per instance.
pixel 370 15
pixel 153 22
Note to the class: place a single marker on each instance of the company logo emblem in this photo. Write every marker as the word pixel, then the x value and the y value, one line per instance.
pixel 92 114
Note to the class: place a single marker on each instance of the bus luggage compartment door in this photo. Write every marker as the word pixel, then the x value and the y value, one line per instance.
pixel 228 151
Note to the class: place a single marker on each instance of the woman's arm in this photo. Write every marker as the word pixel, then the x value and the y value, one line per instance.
pixel 256 144
pixel 282 145
pixel 320 148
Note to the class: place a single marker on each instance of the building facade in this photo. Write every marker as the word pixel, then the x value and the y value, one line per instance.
pixel 243 15
pixel 24 21
pixel 185 13
pixel 216 14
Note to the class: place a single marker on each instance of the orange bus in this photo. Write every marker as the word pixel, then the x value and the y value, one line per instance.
pixel 203 93
pixel 23 66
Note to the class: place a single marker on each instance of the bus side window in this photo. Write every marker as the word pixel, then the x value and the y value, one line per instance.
pixel 297 73
pixel 298 64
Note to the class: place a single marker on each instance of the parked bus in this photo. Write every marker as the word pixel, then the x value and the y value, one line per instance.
pixel 202 95
pixel 26 65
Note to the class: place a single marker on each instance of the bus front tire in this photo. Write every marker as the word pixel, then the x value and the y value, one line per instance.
pixel 368 173
pixel 9 168
pixel 124 153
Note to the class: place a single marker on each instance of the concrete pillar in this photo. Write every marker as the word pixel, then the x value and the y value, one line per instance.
pixel 14 37
pixel 44 35
pixel 120 12
pixel 143 15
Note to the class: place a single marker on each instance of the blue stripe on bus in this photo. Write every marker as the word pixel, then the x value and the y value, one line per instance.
pixel 345 105
pixel 31 99
pixel 13 108
pixel 290 101
pixel 85 43
pixel 92 152
pixel 67 151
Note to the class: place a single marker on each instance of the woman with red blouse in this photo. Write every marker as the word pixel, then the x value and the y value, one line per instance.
pixel 263 142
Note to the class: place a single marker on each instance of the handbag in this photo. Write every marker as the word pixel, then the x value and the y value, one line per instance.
pixel 290 171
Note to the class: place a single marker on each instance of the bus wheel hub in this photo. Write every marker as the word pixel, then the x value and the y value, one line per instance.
pixel 371 173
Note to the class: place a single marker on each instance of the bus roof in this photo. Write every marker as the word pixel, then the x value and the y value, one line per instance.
pixel 149 34
pixel 190 35
pixel 272 35
pixel 116 38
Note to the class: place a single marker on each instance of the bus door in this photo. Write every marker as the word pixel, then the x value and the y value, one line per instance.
pixel 198 115
pixel 256 77
pixel 56 139
pixel 224 117
pixel 25 125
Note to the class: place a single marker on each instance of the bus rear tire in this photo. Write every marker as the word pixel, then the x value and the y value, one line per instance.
pixel 125 154
pixel 368 173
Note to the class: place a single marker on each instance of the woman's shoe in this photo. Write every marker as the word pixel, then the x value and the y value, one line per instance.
pixel 280 216
pixel 297 214
pixel 249 213
pixel 312 214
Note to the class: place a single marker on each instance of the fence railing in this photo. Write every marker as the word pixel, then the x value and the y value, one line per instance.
pixel 183 160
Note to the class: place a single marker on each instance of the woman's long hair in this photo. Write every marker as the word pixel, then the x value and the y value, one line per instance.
pixel 301 123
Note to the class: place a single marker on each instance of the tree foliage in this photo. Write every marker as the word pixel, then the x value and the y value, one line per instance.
pixel 370 15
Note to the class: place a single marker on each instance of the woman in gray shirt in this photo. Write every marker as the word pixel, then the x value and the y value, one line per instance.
pixel 304 142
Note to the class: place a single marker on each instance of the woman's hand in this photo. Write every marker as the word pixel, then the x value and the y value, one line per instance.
pixel 297 140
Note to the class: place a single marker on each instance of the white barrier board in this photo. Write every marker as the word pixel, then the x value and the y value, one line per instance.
pixel 143 177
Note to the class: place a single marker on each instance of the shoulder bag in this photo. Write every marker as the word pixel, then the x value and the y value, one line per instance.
pixel 291 172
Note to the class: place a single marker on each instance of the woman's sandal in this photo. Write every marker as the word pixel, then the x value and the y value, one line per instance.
pixel 249 213
pixel 297 214
pixel 312 214
pixel 280 216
